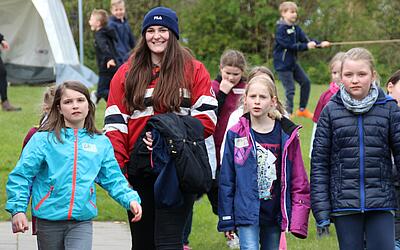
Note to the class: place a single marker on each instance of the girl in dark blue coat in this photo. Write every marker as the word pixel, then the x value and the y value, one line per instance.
pixel 351 165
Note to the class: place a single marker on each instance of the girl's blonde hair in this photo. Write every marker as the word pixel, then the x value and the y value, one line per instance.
pixel 338 57
pixel 55 121
pixel 278 112
pixel 257 70
pixel 233 58
pixel 48 98
pixel 357 54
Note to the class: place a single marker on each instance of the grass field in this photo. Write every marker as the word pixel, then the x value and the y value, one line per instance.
pixel 14 126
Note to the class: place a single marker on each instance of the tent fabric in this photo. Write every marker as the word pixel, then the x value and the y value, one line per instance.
pixel 41 41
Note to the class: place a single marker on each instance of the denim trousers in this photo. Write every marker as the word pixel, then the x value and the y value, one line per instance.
pixel 368 230
pixel 68 235
pixel 288 78
pixel 252 236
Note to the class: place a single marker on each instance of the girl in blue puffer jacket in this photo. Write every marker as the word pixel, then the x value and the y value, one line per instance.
pixel 61 162
pixel 351 165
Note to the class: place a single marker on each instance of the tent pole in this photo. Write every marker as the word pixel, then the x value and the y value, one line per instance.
pixel 80 31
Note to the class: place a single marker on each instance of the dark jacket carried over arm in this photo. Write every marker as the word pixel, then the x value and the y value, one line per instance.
pixel 178 159
pixel 351 165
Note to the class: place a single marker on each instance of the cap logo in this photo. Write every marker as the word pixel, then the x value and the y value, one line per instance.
pixel 157 18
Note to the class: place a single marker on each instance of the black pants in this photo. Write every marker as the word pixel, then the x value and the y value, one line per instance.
pixel 3 82
pixel 374 228
pixel 159 229
pixel 103 87
pixel 287 78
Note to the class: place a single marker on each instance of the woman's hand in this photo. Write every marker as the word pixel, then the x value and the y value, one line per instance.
pixel 136 209
pixel 19 223
pixel 148 140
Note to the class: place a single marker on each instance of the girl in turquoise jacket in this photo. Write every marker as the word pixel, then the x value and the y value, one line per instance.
pixel 62 162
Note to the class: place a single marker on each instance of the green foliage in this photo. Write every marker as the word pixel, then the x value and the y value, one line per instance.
pixel 210 27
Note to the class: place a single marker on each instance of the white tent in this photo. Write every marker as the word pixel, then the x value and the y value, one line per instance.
pixel 42 46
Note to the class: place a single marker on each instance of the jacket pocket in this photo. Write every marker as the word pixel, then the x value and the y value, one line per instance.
pixel 44 198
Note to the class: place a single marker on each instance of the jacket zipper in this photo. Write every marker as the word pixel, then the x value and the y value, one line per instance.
pixel 71 203
pixel 284 159
pixel 91 195
pixel 284 55
pixel 44 198
pixel 362 172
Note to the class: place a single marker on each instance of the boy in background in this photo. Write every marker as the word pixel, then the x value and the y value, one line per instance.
pixel 105 44
pixel 118 22
pixel 289 39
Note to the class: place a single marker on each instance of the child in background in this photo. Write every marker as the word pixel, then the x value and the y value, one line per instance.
pixel 229 86
pixel 118 22
pixel 256 191
pixel 334 65
pixel 351 164
pixel 48 98
pixel 234 117
pixel 105 41
pixel 63 184
pixel 5 103
pixel 393 89
pixel 289 39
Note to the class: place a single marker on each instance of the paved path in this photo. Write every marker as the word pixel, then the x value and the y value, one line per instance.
pixel 106 235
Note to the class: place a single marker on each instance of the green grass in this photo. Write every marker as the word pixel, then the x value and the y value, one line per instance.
pixel 14 126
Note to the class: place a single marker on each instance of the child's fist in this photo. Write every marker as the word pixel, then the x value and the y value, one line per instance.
pixel 311 45
pixel 325 44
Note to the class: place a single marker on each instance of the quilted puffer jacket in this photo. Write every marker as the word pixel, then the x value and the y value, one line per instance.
pixel 351 165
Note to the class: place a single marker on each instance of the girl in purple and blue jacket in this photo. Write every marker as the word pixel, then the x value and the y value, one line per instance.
pixel 263 186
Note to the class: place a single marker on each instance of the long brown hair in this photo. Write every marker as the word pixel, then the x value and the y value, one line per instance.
pixel 55 121
pixel 176 72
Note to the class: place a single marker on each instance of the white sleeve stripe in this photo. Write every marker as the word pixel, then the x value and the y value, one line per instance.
pixel 116 126
pixel 147 112
pixel 114 110
pixel 210 113
pixel 209 100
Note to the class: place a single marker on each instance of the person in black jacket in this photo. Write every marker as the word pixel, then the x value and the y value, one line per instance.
pixel 351 165
pixel 5 104
pixel 393 89
pixel 105 41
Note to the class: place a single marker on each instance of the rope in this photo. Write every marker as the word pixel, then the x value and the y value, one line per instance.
pixel 365 42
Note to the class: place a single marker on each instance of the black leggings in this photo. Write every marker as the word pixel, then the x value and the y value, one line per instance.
pixel 158 228
pixel 3 81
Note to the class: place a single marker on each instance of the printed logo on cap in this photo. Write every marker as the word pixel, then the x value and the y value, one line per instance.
pixel 157 18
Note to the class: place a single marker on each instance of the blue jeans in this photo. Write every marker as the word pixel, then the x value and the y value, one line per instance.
pixel 251 237
pixel 377 228
pixel 64 234
pixel 287 78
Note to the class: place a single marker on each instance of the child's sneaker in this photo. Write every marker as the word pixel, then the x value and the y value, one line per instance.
pixel 304 113
pixel 234 243
pixel 186 247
